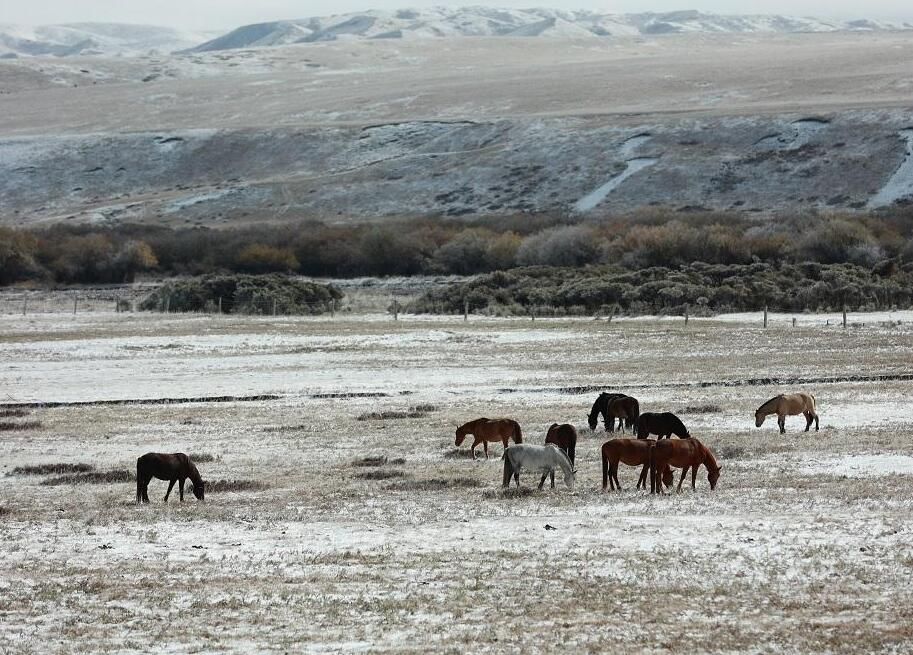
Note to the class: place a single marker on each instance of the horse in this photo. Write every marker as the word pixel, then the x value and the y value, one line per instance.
pixel 563 436
pixel 633 452
pixel 684 454
pixel 545 458
pixel 176 467
pixel 662 424
pixel 484 430
pixel 788 405
pixel 626 407
pixel 599 407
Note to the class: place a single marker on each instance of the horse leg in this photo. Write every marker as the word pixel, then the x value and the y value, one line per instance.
pixel 552 474
pixel 181 488
pixel 139 490
pixel 642 480
pixel 781 421
pixel 485 446
pixel 170 487
pixel 517 476
pixel 472 450
pixel 816 422
pixel 542 481
pixel 681 479
pixel 693 477
pixel 507 473
pixel 808 420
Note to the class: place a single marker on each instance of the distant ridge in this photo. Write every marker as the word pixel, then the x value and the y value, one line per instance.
pixel 484 21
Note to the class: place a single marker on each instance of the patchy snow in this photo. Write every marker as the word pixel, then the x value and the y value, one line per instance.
pixel 860 466
pixel 900 185
pixel 632 166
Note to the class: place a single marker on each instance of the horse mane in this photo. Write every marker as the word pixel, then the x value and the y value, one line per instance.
pixel 708 455
pixel 563 460
pixel 763 405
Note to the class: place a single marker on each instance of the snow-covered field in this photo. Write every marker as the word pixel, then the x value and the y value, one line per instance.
pixel 804 547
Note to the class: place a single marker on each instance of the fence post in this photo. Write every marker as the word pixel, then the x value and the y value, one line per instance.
pixel 274 306
pixel 844 316
pixel 794 321
pixel 532 313
pixel 75 302
pixel 686 314
pixel 25 305
pixel 765 315
pixel 395 310
pixel 168 304
pixel 465 310
pixel 220 304
pixel 333 308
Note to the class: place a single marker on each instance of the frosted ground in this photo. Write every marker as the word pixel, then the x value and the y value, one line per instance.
pixel 804 547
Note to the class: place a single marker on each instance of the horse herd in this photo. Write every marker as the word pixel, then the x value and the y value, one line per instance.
pixel 657 458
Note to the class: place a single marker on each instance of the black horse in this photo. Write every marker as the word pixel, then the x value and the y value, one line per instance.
pixel 175 467
pixel 662 424
pixel 601 406
pixel 563 436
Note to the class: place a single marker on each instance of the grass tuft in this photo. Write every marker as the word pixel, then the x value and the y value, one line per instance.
pixel 9 426
pixel 219 486
pixel 435 484
pixel 13 413
pixel 201 458
pixel 510 492
pixel 702 409
pixel 380 474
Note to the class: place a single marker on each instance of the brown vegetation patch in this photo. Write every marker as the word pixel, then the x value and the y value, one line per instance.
pixel 8 426
pixel 202 458
pixel 510 492
pixel 219 486
pixel 380 474
pixel 702 409
pixel 285 428
pixel 91 477
pixel 52 469
pixel 435 484
pixel 13 413
pixel 419 411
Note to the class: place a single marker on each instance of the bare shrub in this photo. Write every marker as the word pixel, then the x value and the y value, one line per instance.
pixel 91 477
pixel 201 458
pixel 390 415
pixel 435 484
pixel 13 413
pixel 8 426
pixel 380 474
pixel 371 460
pixel 702 409
pixel 510 492
pixel 219 486
pixel 52 469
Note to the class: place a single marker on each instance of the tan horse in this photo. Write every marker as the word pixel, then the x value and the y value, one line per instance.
pixel 788 405
pixel 484 430
pixel 684 454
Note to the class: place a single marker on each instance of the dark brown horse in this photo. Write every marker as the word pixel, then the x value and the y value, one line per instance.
pixel 484 430
pixel 662 424
pixel 599 407
pixel 633 452
pixel 175 467
pixel 685 454
pixel 627 408
pixel 565 437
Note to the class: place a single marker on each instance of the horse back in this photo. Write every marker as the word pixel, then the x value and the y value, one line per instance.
pixel 564 435
pixel 629 451
pixel 164 466
pixel 678 452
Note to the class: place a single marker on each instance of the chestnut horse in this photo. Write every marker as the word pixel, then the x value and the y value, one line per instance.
pixel 563 436
pixel 633 452
pixel 599 407
pixel 626 407
pixel 788 405
pixel 684 454
pixel 176 467
pixel 484 430
pixel 662 424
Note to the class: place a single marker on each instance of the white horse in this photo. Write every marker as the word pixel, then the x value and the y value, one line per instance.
pixel 538 458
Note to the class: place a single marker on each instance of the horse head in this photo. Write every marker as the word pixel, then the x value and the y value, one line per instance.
pixel 199 489
pixel 713 474
pixel 759 418
pixel 569 477
pixel 592 420
pixel 460 435
pixel 668 476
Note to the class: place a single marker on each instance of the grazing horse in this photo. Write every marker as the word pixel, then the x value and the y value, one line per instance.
pixel 563 436
pixel 540 458
pixel 662 424
pixel 599 407
pixel 484 430
pixel 626 407
pixel 176 467
pixel 788 405
pixel 684 454
pixel 633 452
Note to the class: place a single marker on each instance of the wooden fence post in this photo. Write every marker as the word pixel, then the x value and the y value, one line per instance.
pixel 686 314
pixel 274 306
pixel 794 321
pixel 844 316
pixel 75 302
pixel 168 304
pixel 395 310
pixel 465 310
pixel 765 315
pixel 333 308
pixel 25 305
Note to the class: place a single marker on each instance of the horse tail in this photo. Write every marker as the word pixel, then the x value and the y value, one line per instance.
pixel 508 470
pixel 518 434
pixel 605 468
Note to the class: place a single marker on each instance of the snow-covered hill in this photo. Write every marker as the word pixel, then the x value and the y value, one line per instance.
pixel 93 39
pixel 485 21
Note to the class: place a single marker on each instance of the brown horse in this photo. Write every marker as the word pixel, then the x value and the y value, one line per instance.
pixel 599 407
pixel 176 467
pixel 684 454
pixel 625 407
pixel 484 430
pixel 788 405
pixel 565 437
pixel 633 452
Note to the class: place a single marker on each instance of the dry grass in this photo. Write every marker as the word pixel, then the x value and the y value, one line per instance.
pixel 702 409
pixel 13 413
pixel 436 484
pixel 380 474
pixel 221 486
pixel 202 458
